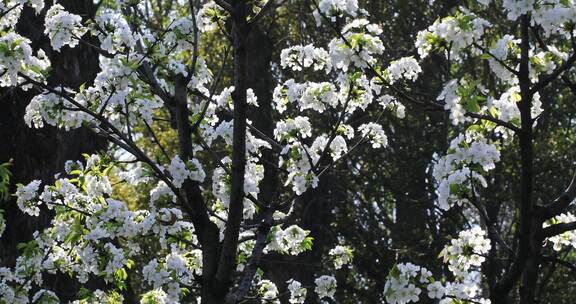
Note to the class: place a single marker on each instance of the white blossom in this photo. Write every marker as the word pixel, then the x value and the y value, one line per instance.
pixel 17 57
pixel 401 286
pixel 180 171
pixel 299 57
pixel 459 32
pixel 341 255
pixel 62 27
pixel 336 8
pixel 26 198
pixel 325 286
pixel 297 292
pixel 468 250
pixel 435 290
pixel 455 171
pixel 208 16
pixel 565 239
pixel 113 32
pixel 516 8
pixel 375 133
pixel 290 128
pixel 268 291
pixel 403 68
pixel 363 44
pixel 293 240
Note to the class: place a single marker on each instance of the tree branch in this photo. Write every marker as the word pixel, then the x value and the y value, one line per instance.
pixel 497 121
pixel 560 204
pixel 262 12
pixel 542 83
pixel 225 5
pixel 227 259
pixel 252 267
pixel 502 63
pixel 556 229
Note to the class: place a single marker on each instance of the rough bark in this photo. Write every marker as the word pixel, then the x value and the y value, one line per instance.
pixel 240 30
pixel 41 153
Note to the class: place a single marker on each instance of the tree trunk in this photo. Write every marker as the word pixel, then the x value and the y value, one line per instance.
pixel 41 153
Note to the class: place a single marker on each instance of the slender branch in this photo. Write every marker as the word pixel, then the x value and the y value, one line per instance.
pixel 4 13
pixel 257 253
pixel 560 203
pixel 542 83
pixel 360 141
pixel 155 139
pixel 500 61
pixel 262 12
pixel 212 91
pixel 227 260
pixel 570 266
pixel 195 54
pixel 556 229
pixel 225 5
pixel 334 131
pixel 497 121
pixel 133 148
pixel 484 215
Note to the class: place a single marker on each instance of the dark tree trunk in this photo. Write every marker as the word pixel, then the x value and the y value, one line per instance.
pixel 41 153
pixel 314 212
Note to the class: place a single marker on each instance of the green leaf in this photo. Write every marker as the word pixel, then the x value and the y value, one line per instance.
pixel 120 277
pixel 130 263
pixel 394 272
pixel 471 105
pixel 307 243
pixel 493 112
pixel 454 188
pixel 474 128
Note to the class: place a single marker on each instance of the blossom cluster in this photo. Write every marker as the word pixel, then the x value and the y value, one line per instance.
pixel 337 8
pixel 208 16
pixel 325 286
pixel 401 286
pixel 565 239
pixel 292 240
pixel 403 68
pixel 457 172
pixel 180 171
pixel 83 238
pixel 299 57
pixel 341 255
pixel 359 49
pixel 16 56
pixel 62 27
pixel 297 292
pixel 10 10
pixel 468 250
pixel 47 108
pixel 268 292
pixel 406 281
pixel 458 32
pixel 113 32
pixel 507 109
